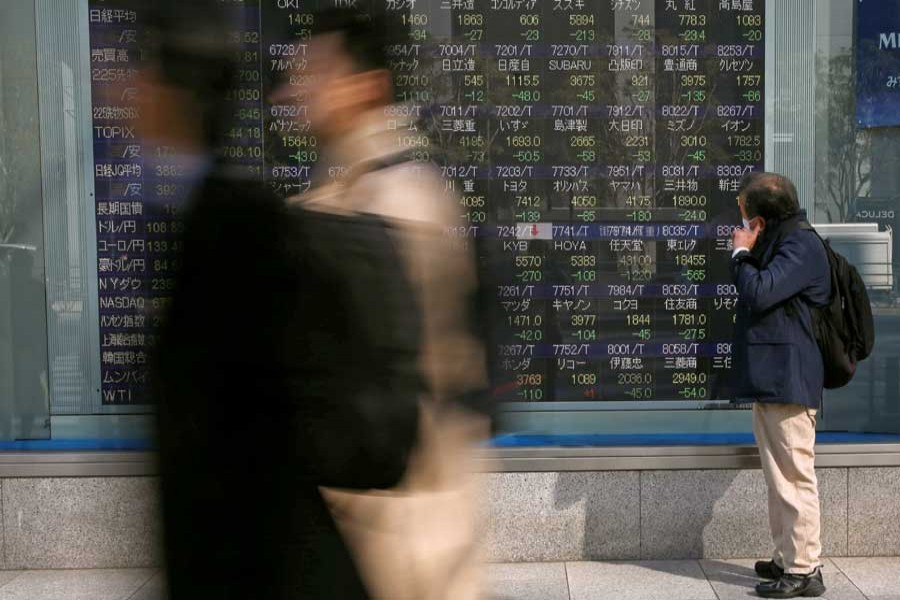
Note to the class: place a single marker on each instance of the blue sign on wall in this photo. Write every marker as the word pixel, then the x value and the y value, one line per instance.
pixel 878 63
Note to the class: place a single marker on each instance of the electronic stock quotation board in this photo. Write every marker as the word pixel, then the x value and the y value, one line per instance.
pixel 594 146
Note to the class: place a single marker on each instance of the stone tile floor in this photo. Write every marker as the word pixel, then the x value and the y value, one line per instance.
pixel 846 579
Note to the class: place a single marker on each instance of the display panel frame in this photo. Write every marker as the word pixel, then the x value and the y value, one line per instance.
pixel 539 410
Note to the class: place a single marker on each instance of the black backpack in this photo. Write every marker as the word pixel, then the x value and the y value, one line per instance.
pixel 844 327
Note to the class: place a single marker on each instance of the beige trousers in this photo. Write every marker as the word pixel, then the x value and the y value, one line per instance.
pixel 786 436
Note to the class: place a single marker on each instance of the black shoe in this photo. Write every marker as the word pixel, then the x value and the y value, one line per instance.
pixel 768 569
pixel 793 586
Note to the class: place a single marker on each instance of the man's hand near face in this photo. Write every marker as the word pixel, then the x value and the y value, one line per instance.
pixel 746 238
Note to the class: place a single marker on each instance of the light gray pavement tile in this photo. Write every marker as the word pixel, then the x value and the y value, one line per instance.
pixel 833 494
pixel 7 576
pixel 646 580
pixel 703 514
pixel 723 513
pixel 736 580
pixel 876 577
pixel 536 517
pixel 105 522
pixel 154 589
pixel 528 581
pixel 86 584
pixel 874 519
pixel 3 561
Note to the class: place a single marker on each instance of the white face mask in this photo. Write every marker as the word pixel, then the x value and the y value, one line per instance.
pixel 746 223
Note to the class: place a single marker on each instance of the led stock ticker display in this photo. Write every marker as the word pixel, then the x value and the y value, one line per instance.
pixel 594 148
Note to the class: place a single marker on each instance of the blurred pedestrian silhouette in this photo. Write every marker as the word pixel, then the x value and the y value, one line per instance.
pixel 287 358
pixel 419 539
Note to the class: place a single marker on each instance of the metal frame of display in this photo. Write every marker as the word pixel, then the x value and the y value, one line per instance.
pixel 668 458
pixel 506 460
pixel 78 464
pixel 530 459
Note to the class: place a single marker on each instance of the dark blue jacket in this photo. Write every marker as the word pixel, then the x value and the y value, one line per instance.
pixel 776 358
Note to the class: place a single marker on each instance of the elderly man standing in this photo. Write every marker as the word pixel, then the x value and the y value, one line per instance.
pixel 781 272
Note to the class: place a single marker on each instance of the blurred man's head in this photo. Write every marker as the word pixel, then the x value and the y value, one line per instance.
pixel 189 67
pixel 348 70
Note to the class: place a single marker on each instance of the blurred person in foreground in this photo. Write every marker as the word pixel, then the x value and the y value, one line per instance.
pixel 418 540
pixel 275 372
pixel 781 272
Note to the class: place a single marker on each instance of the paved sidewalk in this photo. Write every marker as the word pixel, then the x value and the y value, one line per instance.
pixel 846 579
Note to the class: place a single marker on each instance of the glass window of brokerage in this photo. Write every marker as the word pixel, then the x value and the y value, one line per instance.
pixel 24 377
pixel 594 151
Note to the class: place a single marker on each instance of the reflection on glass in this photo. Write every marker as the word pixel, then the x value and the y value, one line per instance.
pixel 24 386
pixel 858 182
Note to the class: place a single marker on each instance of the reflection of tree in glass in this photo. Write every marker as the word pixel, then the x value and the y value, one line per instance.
pixel 19 144
pixel 843 163
pixel 9 193
pixel 8 199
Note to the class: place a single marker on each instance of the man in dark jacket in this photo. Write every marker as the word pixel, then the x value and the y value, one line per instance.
pixel 286 360
pixel 277 377
pixel 781 271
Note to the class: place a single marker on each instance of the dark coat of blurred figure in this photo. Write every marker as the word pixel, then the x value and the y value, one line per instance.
pixel 418 541
pixel 286 361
